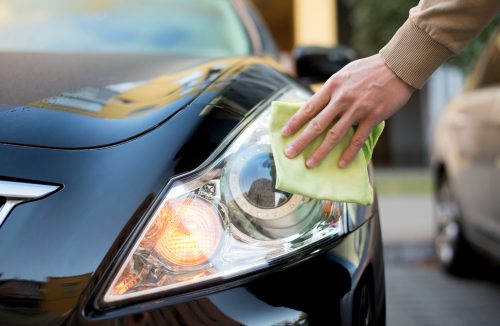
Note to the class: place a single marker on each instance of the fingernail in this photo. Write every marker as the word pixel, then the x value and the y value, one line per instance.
pixel 342 164
pixel 285 131
pixel 310 163
pixel 289 151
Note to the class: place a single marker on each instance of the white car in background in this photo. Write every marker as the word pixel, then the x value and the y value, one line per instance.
pixel 466 162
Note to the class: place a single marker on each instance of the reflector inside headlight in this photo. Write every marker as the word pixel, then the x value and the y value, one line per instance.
pixel 224 221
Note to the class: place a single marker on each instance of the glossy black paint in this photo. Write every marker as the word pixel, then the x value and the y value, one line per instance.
pixel 57 110
pixel 55 253
pixel 56 250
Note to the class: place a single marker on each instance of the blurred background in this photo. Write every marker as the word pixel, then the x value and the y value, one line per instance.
pixel 419 292
pixel 365 26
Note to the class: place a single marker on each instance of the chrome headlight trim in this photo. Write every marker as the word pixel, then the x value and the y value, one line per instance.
pixel 267 239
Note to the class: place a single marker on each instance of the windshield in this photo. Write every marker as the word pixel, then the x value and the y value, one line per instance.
pixel 194 27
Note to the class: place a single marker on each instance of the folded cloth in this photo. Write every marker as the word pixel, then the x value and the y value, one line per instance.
pixel 326 180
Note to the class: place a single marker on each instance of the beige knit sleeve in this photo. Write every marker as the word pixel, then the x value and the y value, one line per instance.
pixel 434 31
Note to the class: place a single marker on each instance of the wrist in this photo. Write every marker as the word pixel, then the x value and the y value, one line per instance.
pixel 413 55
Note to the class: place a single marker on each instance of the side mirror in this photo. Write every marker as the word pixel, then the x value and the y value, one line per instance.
pixel 316 64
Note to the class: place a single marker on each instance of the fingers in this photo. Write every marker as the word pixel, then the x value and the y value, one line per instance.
pixel 315 104
pixel 332 138
pixel 313 130
pixel 363 92
pixel 356 143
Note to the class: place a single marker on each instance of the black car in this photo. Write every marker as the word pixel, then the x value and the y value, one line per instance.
pixel 137 182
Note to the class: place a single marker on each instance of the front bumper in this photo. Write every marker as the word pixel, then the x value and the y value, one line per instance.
pixel 292 295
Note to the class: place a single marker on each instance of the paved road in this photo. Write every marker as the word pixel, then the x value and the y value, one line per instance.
pixel 418 292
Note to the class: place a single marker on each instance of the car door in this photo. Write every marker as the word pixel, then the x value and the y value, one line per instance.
pixel 477 130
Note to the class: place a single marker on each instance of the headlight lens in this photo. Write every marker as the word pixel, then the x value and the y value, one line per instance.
pixel 225 220
pixel 188 232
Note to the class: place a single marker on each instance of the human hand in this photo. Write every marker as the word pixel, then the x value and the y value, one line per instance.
pixel 363 93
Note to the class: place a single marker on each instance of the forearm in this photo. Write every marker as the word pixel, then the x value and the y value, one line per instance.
pixel 434 31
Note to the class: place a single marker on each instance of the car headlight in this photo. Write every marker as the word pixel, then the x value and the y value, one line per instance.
pixel 225 220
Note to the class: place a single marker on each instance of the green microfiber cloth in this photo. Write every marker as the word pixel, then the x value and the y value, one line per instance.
pixel 326 180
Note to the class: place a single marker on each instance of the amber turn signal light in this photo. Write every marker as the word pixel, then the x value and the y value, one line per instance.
pixel 192 233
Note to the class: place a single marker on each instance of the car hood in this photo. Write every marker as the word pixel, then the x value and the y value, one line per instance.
pixel 93 100
pixel 54 248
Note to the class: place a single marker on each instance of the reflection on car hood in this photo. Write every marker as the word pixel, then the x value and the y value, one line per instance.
pixel 87 101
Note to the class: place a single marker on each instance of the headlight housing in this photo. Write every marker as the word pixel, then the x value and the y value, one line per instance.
pixel 224 220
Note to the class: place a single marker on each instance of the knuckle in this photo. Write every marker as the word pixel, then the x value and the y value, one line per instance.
pixel 363 106
pixel 357 143
pixel 307 109
pixel 344 75
pixel 316 126
pixel 373 119
pixel 377 114
pixel 347 74
pixel 344 99
pixel 349 95
pixel 333 80
pixel 333 135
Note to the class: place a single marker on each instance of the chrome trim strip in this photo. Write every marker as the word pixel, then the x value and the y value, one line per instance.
pixel 16 193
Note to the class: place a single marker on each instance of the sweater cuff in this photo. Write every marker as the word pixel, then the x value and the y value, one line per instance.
pixel 413 54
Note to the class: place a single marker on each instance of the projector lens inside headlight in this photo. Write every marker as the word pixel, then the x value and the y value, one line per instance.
pixel 256 180
pixel 248 186
pixel 224 220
